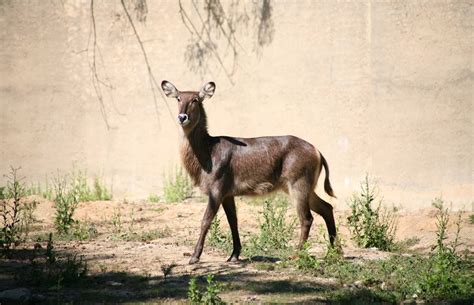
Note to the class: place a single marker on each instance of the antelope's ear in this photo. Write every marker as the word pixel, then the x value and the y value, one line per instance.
pixel 169 89
pixel 207 91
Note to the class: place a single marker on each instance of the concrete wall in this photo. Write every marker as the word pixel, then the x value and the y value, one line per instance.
pixel 383 87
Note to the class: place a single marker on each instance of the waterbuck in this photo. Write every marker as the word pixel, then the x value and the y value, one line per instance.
pixel 224 167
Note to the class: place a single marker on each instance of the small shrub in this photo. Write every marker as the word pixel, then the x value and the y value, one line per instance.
pixel 178 186
pixel 27 217
pixel 48 192
pixel 66 200
pixel 446 276
pixel 218 239
pixel 100 190
pixel 275 233
pixel 154 198
pixel 371 226
pixel 208 296
pixel 80 185
pixel 51 269
pixel 117 221
pixel 471 219
pixel 10 209
pixel 304 261
pixel 2 192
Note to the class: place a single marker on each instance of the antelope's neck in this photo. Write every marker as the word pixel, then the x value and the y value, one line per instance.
pixel 196 152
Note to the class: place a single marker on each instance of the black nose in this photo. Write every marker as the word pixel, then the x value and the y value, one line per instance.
pixel 182 117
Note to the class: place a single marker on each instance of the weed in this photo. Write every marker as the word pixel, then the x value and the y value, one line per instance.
pixel 81 231
pixel 51 269
pixel 48 192
pixel 146 236
pixel 209 296
pixel 129 233
pixel 154 198
pixel 66 200
pixel 471 219
pixel 371 226
pixel 219 239
pixel 117 221
pixel 178 186
pixel 275 233
pixel 443 274
pixel 80 185
pixel 2 192
pixel 278 200
pixel 304 261
pixel 10 209
pixel 27 217
pixel 100 190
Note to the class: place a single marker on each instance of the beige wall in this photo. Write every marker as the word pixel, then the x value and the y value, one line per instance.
pixel 383 87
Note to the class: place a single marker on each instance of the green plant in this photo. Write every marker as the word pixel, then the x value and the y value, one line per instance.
pixel 178 186
pixel 442 275
pixel 304 261
pixel 154 198
pixel 471 219
pixel 48 192
pixel 208 296
pixel 11 207
pixel 446 276
pixel 66 200
pixel 2 192
pixel 278 200
pixel 100 190
pixel 27 217
pixel 79 186
pixel 33 189
pixel 117 221
pixel 219 239
pixel 52 269
pixel 370 225
pixel 275 233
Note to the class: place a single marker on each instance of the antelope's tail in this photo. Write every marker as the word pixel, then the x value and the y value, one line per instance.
pixel 327 183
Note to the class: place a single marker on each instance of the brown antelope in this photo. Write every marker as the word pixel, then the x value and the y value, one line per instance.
pixel 224 167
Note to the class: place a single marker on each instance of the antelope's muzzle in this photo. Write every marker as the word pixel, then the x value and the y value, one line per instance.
pixel 183 119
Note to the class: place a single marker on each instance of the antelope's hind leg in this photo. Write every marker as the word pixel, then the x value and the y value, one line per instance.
pixel 324 209
pixel 300 194
pixel 231 213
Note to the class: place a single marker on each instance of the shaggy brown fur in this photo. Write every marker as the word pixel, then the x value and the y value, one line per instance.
pixel 224 167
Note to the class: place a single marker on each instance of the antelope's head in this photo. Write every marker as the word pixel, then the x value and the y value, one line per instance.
pixel 190 107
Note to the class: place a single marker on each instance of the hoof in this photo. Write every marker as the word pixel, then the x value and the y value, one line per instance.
pixel 233 259
pixel 193 260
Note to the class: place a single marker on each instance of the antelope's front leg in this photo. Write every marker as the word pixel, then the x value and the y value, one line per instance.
pixel 211 211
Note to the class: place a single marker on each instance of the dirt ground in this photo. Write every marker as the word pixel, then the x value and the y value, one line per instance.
pixel 134 271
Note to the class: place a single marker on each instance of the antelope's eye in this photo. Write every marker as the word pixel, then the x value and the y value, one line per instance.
pixel 178 98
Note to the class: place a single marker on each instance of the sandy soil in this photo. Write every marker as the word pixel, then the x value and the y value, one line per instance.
pixel 133 271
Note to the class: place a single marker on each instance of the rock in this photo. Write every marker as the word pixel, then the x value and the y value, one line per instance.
pixel 17 295
pixel 383 286
pixel 359 284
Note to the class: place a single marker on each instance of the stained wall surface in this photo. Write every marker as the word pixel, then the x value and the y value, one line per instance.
pixel 380 87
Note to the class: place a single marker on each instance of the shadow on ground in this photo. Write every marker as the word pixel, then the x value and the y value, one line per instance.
pixel 62 280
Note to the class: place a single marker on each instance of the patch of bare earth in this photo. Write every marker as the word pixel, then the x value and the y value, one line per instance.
pixel 123 266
